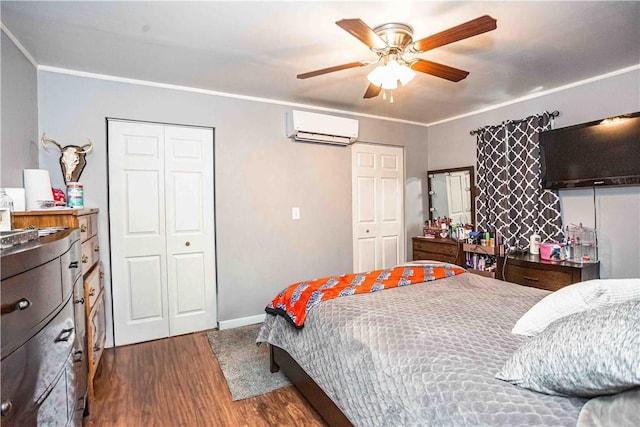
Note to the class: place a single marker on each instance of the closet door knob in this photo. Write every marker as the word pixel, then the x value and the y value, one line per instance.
pixel 187 243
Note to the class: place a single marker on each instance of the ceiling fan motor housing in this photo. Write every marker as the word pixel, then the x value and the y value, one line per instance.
pixel 397 36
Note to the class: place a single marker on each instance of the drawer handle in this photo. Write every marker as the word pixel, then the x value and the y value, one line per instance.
pixel 83 228
pixel 92 292
pixel 64 335
pixel 73 264
pixel 533 279
pixel 79 300
pixel 101 274
pixel 5 407
pixel 96 248
pixel 77 357
pixel 23 304
pixel 85 259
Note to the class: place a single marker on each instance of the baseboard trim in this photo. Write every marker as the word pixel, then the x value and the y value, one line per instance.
pixel 242 321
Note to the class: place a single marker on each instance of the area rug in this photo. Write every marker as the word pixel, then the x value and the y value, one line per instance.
pixel 245 366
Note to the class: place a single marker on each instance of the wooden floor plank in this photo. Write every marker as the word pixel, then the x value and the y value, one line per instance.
pixel 178 382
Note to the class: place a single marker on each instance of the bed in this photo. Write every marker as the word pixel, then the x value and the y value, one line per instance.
pixel 425 354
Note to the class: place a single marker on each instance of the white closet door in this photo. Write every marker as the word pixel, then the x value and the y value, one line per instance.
pixel 137 220
pixel 190 229
pixel 378 200
pixel 162 230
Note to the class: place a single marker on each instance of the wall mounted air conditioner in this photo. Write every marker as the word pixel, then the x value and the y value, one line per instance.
pixel 313 127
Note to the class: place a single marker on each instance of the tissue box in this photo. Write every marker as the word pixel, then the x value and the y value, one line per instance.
pixel 553 251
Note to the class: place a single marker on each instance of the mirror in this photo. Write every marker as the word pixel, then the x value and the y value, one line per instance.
pixel 451 195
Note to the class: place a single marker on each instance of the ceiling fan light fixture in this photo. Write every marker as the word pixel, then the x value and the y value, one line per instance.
pixel 387 76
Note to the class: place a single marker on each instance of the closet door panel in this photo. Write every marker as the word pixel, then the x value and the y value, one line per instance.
pixel 190 229
pixel 137 221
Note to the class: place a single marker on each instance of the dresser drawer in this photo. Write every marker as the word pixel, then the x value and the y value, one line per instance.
pixel 71 268
pixel 90 253
pixel 439 248
pixel 419 255
pixel 98 332
pixel 83 225
pixel 54 409
pixel 537 278
pixel 29 372
pixel 93 286
pixel 93 224
pixel 27 299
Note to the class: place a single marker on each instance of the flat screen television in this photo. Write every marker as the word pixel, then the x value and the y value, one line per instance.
pixel 604 152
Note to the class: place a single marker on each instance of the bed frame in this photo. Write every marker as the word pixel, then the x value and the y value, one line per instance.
pixel 280 359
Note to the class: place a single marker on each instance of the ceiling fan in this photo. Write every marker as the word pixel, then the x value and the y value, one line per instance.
pixel 391 41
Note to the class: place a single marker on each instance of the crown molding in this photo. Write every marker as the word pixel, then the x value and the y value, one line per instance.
pixel 19 45
pixel 539 94
pixel 106 77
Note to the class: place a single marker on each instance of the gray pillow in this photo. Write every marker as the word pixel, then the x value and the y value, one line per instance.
pixel 591 353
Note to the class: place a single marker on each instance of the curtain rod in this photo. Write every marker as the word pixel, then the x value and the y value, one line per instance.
pixel 555 113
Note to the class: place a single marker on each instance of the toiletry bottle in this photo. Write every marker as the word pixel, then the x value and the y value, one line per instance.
pixel 6 208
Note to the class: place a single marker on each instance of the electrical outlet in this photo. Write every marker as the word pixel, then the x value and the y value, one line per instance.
pixel 295 213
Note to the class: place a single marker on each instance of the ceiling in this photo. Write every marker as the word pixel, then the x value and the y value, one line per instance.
pixel 256 49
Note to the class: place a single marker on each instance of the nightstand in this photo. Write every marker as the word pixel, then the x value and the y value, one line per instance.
pixel 529 270
pixel 438 249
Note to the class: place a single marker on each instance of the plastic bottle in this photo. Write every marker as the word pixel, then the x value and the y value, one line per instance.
pixel 6 208
pixel 534 244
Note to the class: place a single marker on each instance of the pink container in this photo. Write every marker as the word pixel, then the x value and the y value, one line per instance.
pixel 552 251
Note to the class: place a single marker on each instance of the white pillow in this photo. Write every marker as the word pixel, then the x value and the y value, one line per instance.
pixel 576 298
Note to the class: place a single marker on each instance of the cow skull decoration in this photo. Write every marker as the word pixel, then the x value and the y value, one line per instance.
pixel 72 158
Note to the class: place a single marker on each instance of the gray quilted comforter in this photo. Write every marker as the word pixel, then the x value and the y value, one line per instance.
pixel 422 355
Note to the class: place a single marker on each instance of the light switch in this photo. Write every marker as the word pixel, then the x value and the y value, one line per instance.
pixel 295 213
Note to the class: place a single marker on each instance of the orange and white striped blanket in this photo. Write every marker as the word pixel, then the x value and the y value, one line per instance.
pixel 295 301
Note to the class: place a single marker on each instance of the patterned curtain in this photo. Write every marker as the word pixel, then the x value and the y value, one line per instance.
pixel 511 199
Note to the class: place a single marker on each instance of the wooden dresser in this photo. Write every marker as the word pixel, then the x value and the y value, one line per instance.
pixel 87 221
pixel 44 357
pixel 438 249
pixel 530 270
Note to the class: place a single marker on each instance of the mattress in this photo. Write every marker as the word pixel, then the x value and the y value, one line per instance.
pixel 421 355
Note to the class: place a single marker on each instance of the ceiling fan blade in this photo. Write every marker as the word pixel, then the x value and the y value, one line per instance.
pixel 372 91
pixel 332 69
pixel 468 29
pixel 358 29
pixel 438 70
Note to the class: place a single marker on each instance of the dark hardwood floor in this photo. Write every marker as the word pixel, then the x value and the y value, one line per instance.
pixel 178 382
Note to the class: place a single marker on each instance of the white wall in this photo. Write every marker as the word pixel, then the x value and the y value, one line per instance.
pixel 617 209
pixel 19 115
pixel 260 174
